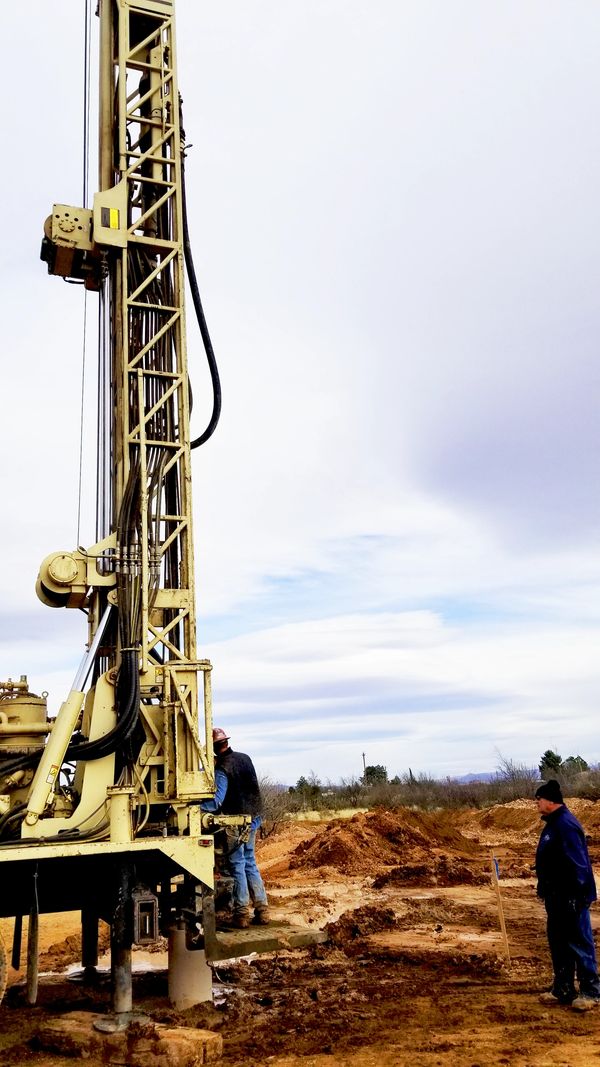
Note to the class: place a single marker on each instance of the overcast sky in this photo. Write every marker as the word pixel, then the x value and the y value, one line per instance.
pixel 394 211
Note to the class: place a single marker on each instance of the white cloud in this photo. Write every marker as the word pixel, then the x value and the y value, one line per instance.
pixel 407 689
pixel 393 213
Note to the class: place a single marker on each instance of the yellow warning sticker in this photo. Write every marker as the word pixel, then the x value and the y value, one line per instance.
pixel 52 774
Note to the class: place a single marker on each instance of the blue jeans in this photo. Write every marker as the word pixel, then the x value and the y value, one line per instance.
pixel 572 949
pixel 247 882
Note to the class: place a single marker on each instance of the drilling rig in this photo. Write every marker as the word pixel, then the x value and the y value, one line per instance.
pixel 100 807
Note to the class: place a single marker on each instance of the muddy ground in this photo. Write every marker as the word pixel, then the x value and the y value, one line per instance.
pixel 414 972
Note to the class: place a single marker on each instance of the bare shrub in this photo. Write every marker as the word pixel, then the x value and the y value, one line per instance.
pixel 586 785
pixel 513 781
pixel 276 805
pixel 351 793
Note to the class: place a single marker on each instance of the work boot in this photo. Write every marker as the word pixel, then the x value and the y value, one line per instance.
pixel 241 919
pixel 549 999
pixel 224 920
pixel 585 1003
pixel 262 916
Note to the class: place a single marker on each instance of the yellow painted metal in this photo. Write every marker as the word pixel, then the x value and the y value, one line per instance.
pixel 140 803
pixel 149 140
pixel 52 758
pixel 93 779
pixel 161 7
pixel 65 578
pixel 120 812
pixel 137 227
pixel 12 730
pixel 194 855
pixel 70 226
pixel 110 216
pixel 23 716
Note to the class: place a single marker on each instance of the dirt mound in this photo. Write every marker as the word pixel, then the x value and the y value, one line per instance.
pixel 440 870
pixel 522 816
pixel 341 849
pixel 438 912
pixel 372 841
pixel 588 813
pixel 275 850
pixel 440 830
pixel 516 869
pixel 359 923
pixel 62 953
pixel 518 815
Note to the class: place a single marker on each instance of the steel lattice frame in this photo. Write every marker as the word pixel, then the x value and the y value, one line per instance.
pixel 151 437
pixel 152 407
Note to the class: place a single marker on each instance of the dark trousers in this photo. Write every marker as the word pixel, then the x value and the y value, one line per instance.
pixel 572 949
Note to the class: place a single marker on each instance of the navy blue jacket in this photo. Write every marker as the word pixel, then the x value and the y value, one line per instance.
pixel 562 862
pixel 243 793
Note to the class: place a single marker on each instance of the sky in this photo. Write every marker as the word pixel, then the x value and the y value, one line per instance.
pixel 394 215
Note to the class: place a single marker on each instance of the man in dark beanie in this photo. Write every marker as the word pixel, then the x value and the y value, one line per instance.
pixel 566 885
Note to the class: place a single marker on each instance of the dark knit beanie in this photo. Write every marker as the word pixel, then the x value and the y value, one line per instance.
pixel 550 791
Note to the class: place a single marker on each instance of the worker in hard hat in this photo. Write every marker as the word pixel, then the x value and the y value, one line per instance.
pixel 237 793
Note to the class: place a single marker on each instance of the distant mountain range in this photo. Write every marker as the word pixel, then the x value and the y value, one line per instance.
pixel 483 776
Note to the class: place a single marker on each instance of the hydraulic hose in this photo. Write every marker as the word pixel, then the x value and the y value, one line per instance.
pixel 20 763
pixel 11 815
pixel 208 348
pixel 128 703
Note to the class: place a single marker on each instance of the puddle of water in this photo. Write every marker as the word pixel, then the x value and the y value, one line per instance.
pixel 141 963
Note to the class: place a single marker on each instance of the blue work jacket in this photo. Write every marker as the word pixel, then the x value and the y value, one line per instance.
pixel 562 862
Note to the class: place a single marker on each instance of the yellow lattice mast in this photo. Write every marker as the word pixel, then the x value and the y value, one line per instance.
pixel 105 814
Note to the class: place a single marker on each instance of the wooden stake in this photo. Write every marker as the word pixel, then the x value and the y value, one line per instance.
pixel 496 885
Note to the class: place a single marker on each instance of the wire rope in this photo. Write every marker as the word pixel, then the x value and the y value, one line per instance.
pixel 85 183
pixel 87 48
pixel 81 419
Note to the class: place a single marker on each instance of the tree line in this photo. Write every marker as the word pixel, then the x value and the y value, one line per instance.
pixel 374 788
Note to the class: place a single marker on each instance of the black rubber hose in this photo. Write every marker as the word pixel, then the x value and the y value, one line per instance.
pixel 128 699
pixel 20 763
pixel 10 815
pixel 208 348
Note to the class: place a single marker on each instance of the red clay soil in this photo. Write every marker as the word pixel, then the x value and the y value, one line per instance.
pixel 372 842
pixel 414 974
pixel 523 816
pixel 442 870
pixel 360 923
